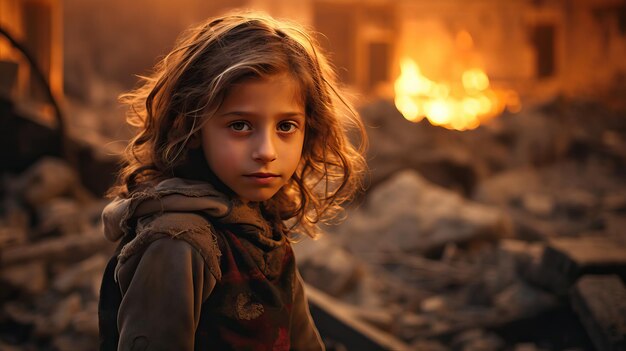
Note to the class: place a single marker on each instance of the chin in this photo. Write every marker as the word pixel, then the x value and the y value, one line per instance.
pixel 259 196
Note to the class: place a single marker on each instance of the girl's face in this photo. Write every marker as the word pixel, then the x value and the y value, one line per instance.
pixel 254 141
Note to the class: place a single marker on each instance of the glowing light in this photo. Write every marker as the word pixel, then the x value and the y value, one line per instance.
pixel 475 79
pixel 439 112
pixel 459 106
pixel 409 109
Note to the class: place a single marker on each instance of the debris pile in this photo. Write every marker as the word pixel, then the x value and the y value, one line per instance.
pixel 479 240
pixel 476 240
pixel 51 260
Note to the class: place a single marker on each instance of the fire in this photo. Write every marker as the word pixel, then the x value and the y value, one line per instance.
pixel 461 106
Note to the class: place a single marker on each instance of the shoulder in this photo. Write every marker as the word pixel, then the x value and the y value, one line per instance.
pixel 169 248
pixel 170 255
pixel 163 257
pixel 183 232
pixel 167 270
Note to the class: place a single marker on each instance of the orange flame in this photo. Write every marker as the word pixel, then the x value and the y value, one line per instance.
pixel 459 106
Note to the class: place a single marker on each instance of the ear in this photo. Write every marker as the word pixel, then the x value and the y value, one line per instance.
pixel 194 141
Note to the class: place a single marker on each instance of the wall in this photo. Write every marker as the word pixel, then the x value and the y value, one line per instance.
pixel 36 25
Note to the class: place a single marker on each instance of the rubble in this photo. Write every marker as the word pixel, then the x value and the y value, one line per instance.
pixel 325 262
pixel 566 259
pixel 81 275
pixel 67 248
pixel 476 247
pixel 457 244
pixel 521 299
pixel 31 277
pixel 52 254
pixel 477 340
pixel 48 179
pixel 600 301
pixel 409 214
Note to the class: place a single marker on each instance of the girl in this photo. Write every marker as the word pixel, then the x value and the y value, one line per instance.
pixel 241 129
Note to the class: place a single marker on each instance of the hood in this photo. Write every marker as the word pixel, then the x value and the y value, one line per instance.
pixel 171 195
pixel 183 195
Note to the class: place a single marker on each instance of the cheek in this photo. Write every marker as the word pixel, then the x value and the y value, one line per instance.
pixel 295 155
pixel 224 155
pixel 218 152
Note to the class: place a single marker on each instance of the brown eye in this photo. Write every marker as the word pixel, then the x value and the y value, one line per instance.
pixel 287 127
pixel 239 126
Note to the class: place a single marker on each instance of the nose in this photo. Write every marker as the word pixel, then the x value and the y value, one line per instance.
pixel 264 148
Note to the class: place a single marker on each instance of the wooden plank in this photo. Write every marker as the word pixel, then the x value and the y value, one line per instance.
pixel 63 249
pixel 592 251
pixel 600 302
pixel 564 260
pixel 335 321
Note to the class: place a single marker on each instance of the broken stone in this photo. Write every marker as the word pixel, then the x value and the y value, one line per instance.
pixel 614 202
pixel 477 340
pixel 92 211
pixel 522 300
pixel 35 317
pixel 328 267
pixel 614 228
pixel 493 281
pixel 577 202
pixel 429 274
pixel 340 324
pixel 375 290
pixel 531 228
pixel 434 304
pixel 11 235
pixel 14 225
pixel 47 179
pixel 70 342
pixel 409 324
pixel 600 302
pixel 61 317
pixel 454 161
pixel 503 188
pixel 525 255
pixel 31 277
pixel 391 135
pixel 81 275
pixel 381 318
pixel 409 214
pixel 64 249
pixel 450 252
pixel 61 216
pixel 20 313
pixel 440 327
pixel 524 250
pixel 566 259
pixel 540 205
pixel 428 345
pixel 86 321
pixel 538 139
pixel 96 282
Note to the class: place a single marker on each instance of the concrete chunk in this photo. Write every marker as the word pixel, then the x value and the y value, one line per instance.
pixel 566 259
pixel 600 302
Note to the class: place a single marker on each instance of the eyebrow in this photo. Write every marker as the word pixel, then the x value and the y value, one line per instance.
pixel 252 114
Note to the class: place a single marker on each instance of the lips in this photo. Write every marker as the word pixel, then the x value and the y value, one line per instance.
pixel 262 175
pixel 261 178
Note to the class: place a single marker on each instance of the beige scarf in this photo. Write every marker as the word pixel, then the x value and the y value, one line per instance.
pixel 183 195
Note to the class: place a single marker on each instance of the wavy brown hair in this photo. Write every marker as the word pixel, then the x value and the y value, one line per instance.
pixel 190 83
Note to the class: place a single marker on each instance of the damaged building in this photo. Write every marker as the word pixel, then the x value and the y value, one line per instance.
pixel 496 203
